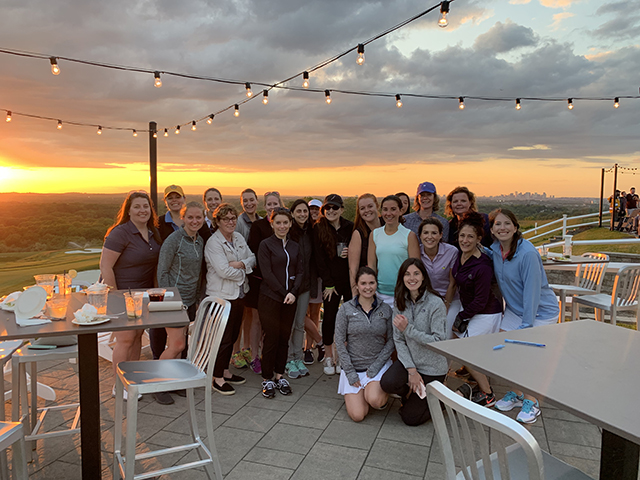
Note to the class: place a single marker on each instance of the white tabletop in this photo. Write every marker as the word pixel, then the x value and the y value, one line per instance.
pixel 587 368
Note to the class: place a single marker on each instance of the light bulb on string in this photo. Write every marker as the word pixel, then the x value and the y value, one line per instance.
pixel 166 132
pixel 305 79
pixel 360 59
pixel 265 97
pixel 616 102
pixel 8 116
pixel 193 126
pixel 177 129
pixel 99 132
pixel 570 103
pixel 444 9
pixel 135 134
pixel 210 119
pixel 461 103
pixel 155 133
pixel 327 95
pixel 518 105
pixel 236 111
pixel 55 69
pixel 248 87
pixel 157 82
pixel 398 101
pixel 60 125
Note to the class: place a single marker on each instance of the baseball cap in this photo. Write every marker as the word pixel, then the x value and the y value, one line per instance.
pixel 173 189
pixel 333 199
pixel 315 203
pixel 426 187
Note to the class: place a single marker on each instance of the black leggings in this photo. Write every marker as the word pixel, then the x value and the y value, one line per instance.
pixel 158 336
pixel 414 410
pixel 330 312
pixel 276 319
pixel 229 337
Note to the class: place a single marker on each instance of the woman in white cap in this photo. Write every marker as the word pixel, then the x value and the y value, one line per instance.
pixel 171 221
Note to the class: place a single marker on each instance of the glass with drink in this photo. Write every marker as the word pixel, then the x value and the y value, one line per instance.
pixel 156 294
pixel 340 247
pixel 57 307
pixel 97 296
pixel 133 304
pixel 64 284
pixel 46 281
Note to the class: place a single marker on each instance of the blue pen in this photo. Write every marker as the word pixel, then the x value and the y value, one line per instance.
pixel 522 342
pixel 498 347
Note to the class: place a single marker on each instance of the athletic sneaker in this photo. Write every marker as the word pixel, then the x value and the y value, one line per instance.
pixel 329 367
pixel 509 402
pixel 529 413
pixel 338 370
pixel 163 398
pixel 291 369
pixel 308 357
pixel 224 389
pixel 238 360
pixel 484 399
pixel 304 371
pixel 268 388
pixel 235 379
pixel 256 366
pixel 283 386
pixel 321 352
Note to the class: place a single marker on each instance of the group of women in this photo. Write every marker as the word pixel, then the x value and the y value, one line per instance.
pixel 390 282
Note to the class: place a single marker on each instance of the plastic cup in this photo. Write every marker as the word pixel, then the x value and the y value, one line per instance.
pixel 340 246
pixel 46 281
pixel 133 304
pixel 156 294
pixel 64 284
pixel 57 307
pixel 98 298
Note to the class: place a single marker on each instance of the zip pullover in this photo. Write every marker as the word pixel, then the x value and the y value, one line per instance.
pixel 281 266
pixel 179 264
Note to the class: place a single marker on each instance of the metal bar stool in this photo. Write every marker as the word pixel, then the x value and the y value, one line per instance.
pixel 11 435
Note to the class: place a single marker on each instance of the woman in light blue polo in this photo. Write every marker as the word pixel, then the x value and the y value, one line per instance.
pixel 530 302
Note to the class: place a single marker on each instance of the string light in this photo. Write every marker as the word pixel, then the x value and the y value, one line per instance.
pixel 305 79
pixel 210 119
pixel 461 101
pixel 99 132
pixel 135 134
pixel 60 125
pixel 248 87
pixel 360 59
pixel 157 80
pixel 444 9
pixel 398 101
pixel 55 69
pixel 265 97
pixel 177 129
pixel 166 132
pixel 518 106
pixel 193 126
pixel 616 102
pixel 327 95
pixel 155 133
pixel 570 103
pixel 8 117
pixel 236 111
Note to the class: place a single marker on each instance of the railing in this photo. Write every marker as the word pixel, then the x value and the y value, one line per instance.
pixel 568 243
pixel 564 226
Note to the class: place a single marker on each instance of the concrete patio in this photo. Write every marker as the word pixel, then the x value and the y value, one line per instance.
pixel 307 435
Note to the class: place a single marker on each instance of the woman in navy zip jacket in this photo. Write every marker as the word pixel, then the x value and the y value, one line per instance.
pixel 281 263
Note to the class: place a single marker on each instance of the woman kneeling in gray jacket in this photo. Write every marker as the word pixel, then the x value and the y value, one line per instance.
pixel 364 342
pixel 420 318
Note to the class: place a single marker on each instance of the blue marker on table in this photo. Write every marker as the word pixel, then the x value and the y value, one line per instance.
pixel 522 342
pixel 498 347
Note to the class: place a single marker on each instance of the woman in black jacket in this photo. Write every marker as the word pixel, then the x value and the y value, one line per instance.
pixel 281 265
pixel 331 235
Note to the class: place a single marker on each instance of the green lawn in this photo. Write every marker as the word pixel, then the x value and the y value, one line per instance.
pixel 18 269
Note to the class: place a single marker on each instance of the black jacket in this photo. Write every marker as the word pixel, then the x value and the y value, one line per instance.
pixel 333 270
pixel 260 230
pixel 282 266
pixel 303 237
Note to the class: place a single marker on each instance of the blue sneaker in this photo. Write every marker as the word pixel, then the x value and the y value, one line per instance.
pixel 291 369
pixel 509 402
pixel 304 371
pixel 529 413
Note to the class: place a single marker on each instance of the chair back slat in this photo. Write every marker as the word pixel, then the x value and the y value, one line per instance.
pixel 211 320
pixel 591 275
pixel 625 286
pixel 459 410
pixel 499 446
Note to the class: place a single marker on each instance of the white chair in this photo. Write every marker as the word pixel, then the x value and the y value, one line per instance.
pixel 6 350
pixel 11 435
pixel 589 278
pixel 30 415
pixel 153 376
pixel 509 461
pixel 623 298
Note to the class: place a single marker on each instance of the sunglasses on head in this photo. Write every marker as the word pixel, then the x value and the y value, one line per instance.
pixel 332 207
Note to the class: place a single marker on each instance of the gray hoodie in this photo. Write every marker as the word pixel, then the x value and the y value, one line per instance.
pixel 179 264
pixel 369 339
pixel 427 323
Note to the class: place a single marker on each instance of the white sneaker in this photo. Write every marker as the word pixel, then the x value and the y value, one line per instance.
pixel 329 368
pixel 509 401
pixel 529 413
pixel 126 394
pixel 338 369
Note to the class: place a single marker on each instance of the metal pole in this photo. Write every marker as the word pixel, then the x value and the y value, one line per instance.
pixel 601 198
pixel 613 197
pixel 153 164
pixel 564 225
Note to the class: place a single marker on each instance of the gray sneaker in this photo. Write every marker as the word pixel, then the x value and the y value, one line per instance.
pixel 291 369
pixel 304 371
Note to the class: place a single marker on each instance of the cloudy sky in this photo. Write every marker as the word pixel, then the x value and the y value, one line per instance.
pixel 297 143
